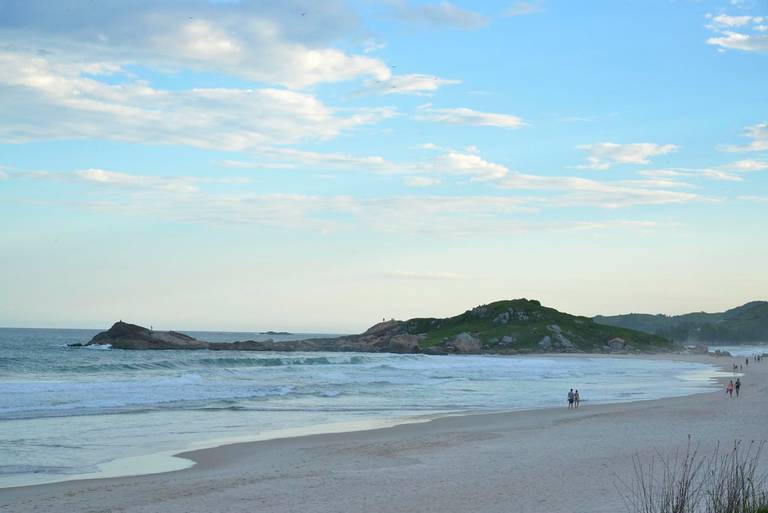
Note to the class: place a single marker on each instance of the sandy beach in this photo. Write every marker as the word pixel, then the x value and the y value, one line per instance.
pixel 552 460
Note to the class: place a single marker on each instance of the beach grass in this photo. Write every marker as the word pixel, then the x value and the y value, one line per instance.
pixel 726 481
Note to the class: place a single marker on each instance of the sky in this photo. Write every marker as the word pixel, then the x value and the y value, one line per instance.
pixel 318 166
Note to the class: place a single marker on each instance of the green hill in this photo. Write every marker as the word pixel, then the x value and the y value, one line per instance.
pixel 746 323
pixel 523 325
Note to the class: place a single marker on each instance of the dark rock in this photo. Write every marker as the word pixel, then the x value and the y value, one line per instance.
pixel 123 335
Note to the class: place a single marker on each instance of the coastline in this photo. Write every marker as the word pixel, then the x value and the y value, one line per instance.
pixel 170 459
pixel 373 450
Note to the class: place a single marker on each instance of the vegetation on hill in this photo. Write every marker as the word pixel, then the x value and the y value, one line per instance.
pixel 746 323
pixel 522 324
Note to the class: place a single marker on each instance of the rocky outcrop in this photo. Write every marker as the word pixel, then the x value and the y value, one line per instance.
pixel 389 336
pixel 123 335
pixel 556 342
pixel 463 343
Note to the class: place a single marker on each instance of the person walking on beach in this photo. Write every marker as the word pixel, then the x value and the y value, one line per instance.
pixel 737 386
pixel 571 398
pixel 729 389
pixel 576 399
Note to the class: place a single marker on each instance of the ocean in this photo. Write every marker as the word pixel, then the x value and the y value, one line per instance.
pixel 68 413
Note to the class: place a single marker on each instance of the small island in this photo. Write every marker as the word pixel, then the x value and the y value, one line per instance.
pixel 516 326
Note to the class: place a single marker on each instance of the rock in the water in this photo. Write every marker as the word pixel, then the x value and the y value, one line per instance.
pixel 404 344
pixel 389 336
pixel 123 335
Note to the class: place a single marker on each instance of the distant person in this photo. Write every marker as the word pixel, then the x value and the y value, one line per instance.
pixel 729 389
pixel 737 386
pixel 576 399
pixel 571 398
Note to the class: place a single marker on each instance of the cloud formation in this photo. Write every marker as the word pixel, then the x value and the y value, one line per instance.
pixel 285 43
pixel 465 116
pixel 747 165
pixel 190 200
pixel 744 32
pixel 52 99
pixel 414 84
pixel 576 191
pixel 443 14
pixel 606 154
pixel 759 135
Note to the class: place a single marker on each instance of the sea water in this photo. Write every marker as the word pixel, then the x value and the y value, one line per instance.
pixel 72 412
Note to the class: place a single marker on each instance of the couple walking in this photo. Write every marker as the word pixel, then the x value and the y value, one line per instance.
pixel 733 386
pixel 573 399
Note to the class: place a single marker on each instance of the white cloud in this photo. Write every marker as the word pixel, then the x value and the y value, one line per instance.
pixel 711 174
pixel 415 84
pixel 465 116
pixel 740 41
pixel 731 21
pixel 188 200
pixel 458 163
pixel 759 135
pixel 748 165
pixel 578 191
pixel 130 181
pixel 240 164
pixel 257 39
pixel 748 38
pixel 522 8
pixel 50 99
pixel 604 155
pixel 443 14
pixel 294 158
pixel 471 165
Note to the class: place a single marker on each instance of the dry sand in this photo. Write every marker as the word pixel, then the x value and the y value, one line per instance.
pixel 554 460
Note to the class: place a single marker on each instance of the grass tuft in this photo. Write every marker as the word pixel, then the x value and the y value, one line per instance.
pixel 727 481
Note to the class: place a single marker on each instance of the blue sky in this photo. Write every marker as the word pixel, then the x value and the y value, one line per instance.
pixel 317 166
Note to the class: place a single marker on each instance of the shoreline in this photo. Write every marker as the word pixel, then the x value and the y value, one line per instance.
pixel 543 460
pixel 179 460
